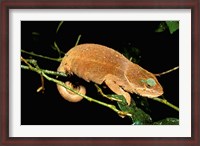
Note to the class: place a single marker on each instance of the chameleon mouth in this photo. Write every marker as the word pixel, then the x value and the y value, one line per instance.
pixel 150 93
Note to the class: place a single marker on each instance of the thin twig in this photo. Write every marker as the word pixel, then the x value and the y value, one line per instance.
pixel 59 25
pixel 41 88
pixel 41 56
pixel 168 71
pixel 164 101
pixel 25 61
pixel 79 37
pixel 50 72
pixel 55 47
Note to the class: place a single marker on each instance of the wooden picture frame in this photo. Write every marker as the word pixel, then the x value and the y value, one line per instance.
pixel 7 5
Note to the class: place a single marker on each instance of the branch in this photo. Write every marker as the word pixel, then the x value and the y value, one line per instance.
pixel 121 113
pixel 44 74
pixel 164 101
pixel 50 72
pixel 166 72
pixel 59 25
pixel 41 56
pixel 40 71
pixel 79 37
pixel 55 47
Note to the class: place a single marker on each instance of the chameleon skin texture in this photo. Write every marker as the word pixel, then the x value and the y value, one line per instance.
pixel 98 63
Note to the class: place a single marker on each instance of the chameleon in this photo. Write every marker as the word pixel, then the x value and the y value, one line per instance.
pixel 101 64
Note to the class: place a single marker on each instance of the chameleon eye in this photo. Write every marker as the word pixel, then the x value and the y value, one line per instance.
pixel 148 86
pixel 150 82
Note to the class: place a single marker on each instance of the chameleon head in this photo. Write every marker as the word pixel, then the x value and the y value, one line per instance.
pixel 149 87
pixel 143 82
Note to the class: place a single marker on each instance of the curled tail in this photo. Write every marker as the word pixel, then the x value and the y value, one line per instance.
pixel 67 94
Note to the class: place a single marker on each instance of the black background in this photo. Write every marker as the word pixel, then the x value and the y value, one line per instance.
pixel 159 52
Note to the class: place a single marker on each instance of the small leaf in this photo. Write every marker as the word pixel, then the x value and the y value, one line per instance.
pixel 162 27
pixel 173 26
pixel 35 36
pixel 167 121
pixel 143 102
pixel 35 33
pixel 139 117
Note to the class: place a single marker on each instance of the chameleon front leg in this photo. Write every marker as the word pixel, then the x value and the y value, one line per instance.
pixel 112 82
pixel 107 96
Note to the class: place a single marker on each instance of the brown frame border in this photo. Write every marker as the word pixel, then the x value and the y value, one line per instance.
pixel 102 4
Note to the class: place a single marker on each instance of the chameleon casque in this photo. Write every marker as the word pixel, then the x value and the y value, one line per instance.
pixel 98 63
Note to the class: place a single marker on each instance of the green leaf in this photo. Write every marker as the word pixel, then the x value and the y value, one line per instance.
pixel 173 26
pixel 143 102
pixel 167 121
pixel 139 117
pixel 162 27
pixel 35 33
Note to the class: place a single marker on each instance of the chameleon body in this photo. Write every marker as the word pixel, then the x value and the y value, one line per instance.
pixel 97 63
